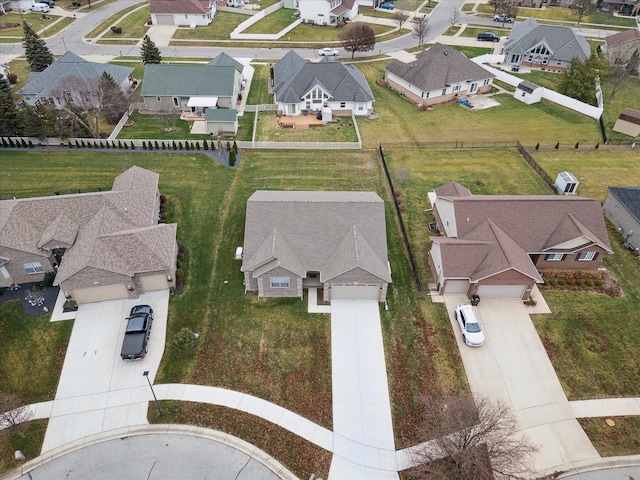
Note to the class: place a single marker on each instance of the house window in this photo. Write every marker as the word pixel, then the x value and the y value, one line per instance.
pixel 360 107
pixel 586 256
pixel 444 91
pixel 176 102
pixel 5 272
pixel 158 99
pixel 554 257
pixel 279 282
pixel 33 267
pixel 343 104
pixel 427 95
pixel 486 82
pixel 456 88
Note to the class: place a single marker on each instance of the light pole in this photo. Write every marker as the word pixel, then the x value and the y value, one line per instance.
pixel 146 374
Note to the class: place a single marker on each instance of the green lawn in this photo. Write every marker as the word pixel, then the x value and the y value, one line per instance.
pixel 268 130
pixel 133 25
pixel 29 444
pixel 152 127
pixel 36 22
pixel 259 88
pixel 621 439
pixel 113 19
pixel 274 22
pixel 219 29
pixel 401 121
pixel 564 15
pixel 627 97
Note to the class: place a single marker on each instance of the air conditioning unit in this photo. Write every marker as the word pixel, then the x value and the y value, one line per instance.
pixel 566 184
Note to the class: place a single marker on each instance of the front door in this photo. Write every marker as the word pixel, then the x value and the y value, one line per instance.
pixel 473 88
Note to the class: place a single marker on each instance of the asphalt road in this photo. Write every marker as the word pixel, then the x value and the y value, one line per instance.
pixel 622 473
pixel 150 457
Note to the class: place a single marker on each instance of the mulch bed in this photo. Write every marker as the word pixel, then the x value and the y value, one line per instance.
pixel 49 294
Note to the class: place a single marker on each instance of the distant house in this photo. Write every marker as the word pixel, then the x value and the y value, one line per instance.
pixel 101 245
pixel 438 75
pixel 528 92
pixel 335 241
pixel 628 122
pixel 193 90
pixel 300 86
pixel 190 13
pixel 625 7
pixel 327 12
pixel 622 208
pixel 547 47
pixel 621 46
pixel 495 245
pixel 71 78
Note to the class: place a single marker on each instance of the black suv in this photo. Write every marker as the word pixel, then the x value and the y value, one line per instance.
pixel 137 334
pixel 488 37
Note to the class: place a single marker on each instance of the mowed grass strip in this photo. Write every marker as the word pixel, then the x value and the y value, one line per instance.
pixel 113 19
pixel 133 25
pixel 621 439
pixel 259 88
pixel 274 22
pixel 219 29
pixel 401 121
pixel 268 130
pixel 29 444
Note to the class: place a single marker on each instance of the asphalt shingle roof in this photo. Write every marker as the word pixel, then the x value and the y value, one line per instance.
pixel 629 197
pixel 438 67
pixel 563 42
pixel 328 232
pixel 293 78
pixel 179 6
pixel 69 69
pixel 622 37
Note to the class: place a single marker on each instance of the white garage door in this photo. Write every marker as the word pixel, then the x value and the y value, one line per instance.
pixel 154 282
pixel 501 291
pixel 456 286
pixel 98 294
pixel 164 19
pixel 355 292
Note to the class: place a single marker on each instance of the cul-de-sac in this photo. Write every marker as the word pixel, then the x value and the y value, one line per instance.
pixel 320 239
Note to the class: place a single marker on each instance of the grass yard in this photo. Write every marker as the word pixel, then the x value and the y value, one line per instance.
pixel 114 20
pixel 133 25
pixel 152 127
pixel 219 29
pixel 273 23
pixel 545 79
pixel 268 130
pixel 596 169
pixel 621 439
pixel 501 171
pixel 627 97
pixel 259 88
pixel 473 32
pixel 29 444
pixel 245 127
pixel 564 15
pixel 401 121
pixel 311 33
pixel 591 338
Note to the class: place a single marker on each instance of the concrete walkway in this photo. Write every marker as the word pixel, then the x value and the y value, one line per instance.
pixel 363 431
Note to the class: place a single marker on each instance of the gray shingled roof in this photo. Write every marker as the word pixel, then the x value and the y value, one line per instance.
pixel 438 67
pixel 179 6
pixel 293 78
pixel 115 230
pixel 328 232
pixel 70 66
pixel 224 60
pixel 528 87
pixel 220 115
pixel 564 43
pixel 187 80
pixel 629 197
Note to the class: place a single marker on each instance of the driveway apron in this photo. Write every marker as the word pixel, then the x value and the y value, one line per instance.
pixel 98 391
pixel 364 446
pixel 513 367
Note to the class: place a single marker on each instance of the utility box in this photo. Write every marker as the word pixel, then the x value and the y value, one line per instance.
pixel 566 184
pixel 238 255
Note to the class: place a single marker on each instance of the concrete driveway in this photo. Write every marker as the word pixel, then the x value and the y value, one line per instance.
pixel 98 391
pixel 513 367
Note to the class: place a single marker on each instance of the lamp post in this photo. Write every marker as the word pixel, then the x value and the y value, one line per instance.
pixel 146 374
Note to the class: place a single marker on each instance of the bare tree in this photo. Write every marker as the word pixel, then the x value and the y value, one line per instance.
pixel 471 437
pixel 421 28
pixel 583 8
pixel 358 37
pixel 499 6
pixel 15 414
pixel 454 17
pixel 400 17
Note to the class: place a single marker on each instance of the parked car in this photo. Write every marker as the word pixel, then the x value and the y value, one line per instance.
pixel 137 334
pixel 488 37
pixel 40 7
pixel 387 6
pixel 328 52
pixel 503 17
pixel 472 333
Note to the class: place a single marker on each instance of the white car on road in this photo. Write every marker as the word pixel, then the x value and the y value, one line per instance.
pixel 328 52
pixel 469 325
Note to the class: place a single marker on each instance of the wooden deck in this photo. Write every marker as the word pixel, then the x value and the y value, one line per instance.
pixel 300 122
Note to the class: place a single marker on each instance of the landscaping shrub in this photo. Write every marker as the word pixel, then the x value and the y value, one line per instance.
pixel 117 30
pixel 181 249
pixel 598 283
pixel 561 282
pixel 232 158
pixel 13 78
pixel 179 273
pixel 163 199
pixel 144 145
pixel 588 283
pixel 183 339
pixel 49 277
pixel 156 145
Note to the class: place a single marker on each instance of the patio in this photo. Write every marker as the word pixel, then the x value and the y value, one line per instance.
pixel 300 122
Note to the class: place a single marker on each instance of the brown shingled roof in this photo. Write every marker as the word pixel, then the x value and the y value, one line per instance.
pixel 622 37
pixel 179 6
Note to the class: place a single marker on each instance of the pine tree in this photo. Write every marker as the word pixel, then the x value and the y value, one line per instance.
pixel 38 54
pixel 149 51
pixel 5 86
pixel 9 121
pixel 114 103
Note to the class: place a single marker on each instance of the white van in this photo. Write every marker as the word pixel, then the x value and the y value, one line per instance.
pixel 40 7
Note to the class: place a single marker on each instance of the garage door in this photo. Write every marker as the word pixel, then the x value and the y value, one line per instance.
pixel 501 291
pixel 98 294
pixel 355 292
pixel 164 19
pixel 153 282
pixel 456 286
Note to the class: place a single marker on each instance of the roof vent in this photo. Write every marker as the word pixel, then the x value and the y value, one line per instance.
pixel 446 53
